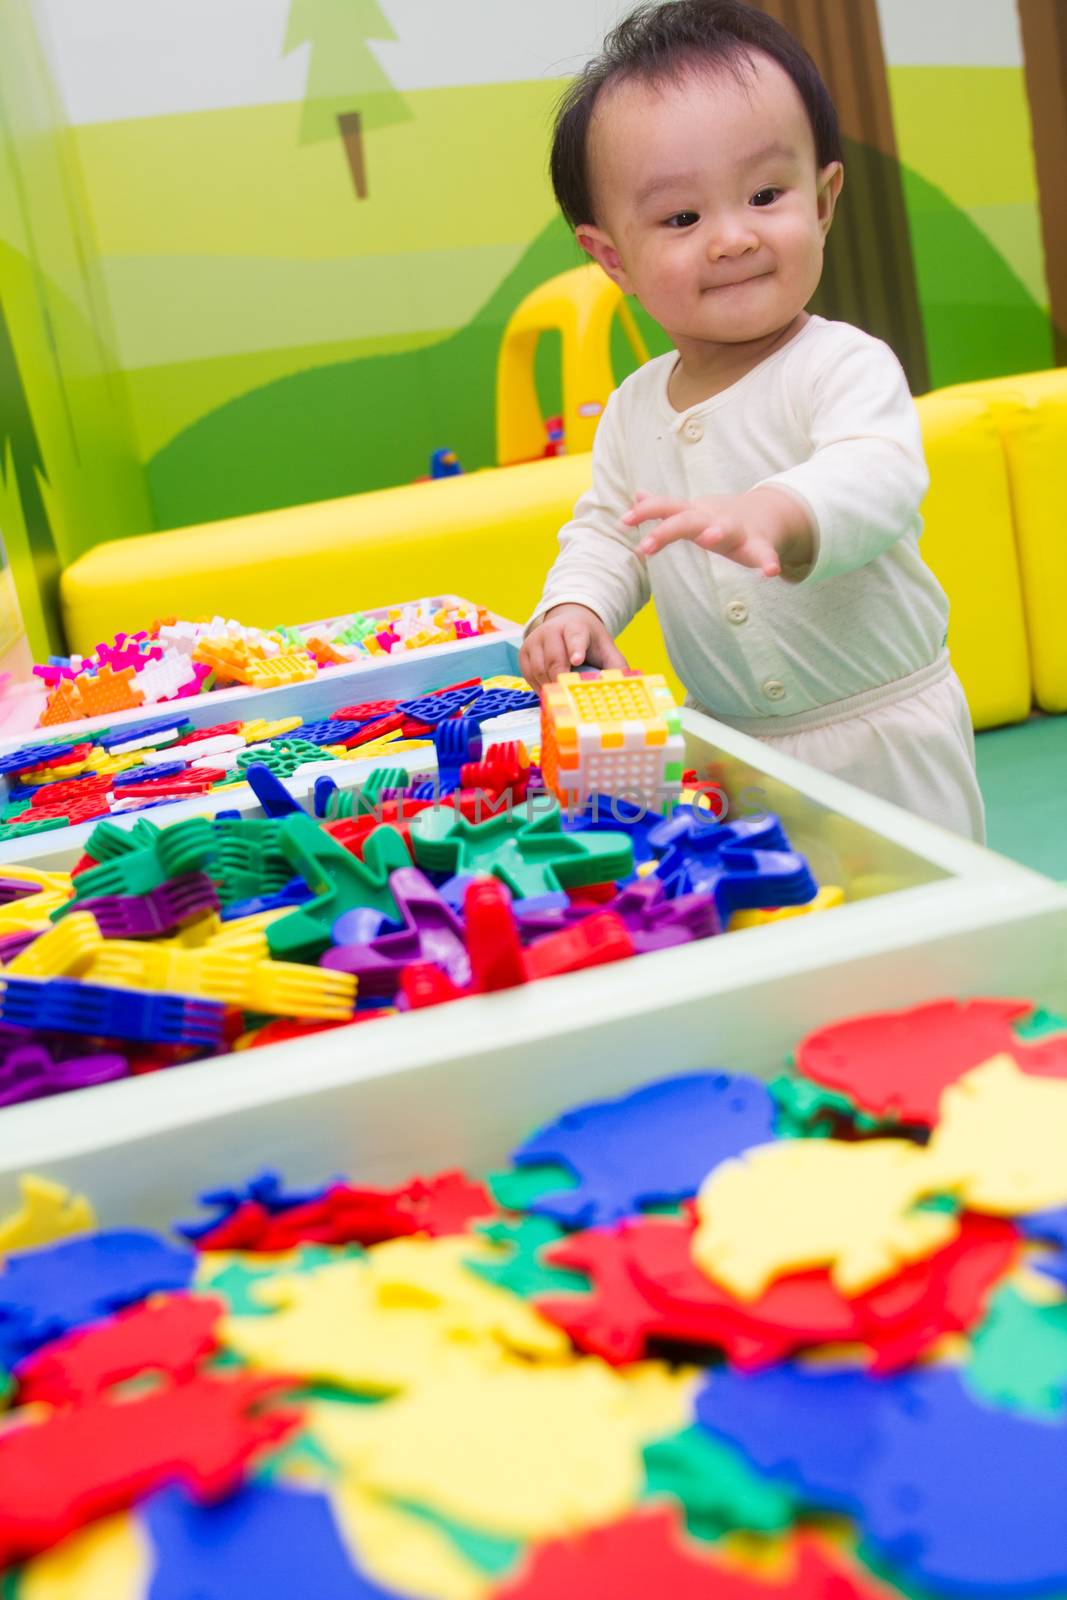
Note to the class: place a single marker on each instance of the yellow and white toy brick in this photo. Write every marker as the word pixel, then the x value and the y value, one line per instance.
pixel 614 733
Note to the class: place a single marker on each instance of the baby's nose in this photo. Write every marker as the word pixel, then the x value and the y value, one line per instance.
pixel 731 239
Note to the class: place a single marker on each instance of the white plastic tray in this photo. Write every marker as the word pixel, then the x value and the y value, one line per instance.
pixel 929 915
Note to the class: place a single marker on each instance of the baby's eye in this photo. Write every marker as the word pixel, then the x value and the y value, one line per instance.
pixel 682 219
pixel 764 197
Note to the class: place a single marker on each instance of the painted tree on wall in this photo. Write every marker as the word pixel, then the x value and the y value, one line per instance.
pixel 22 469
pixel 348 93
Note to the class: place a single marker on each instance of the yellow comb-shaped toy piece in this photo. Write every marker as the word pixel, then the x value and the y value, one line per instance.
pixel 67 950
pixel 258 731
pixel 237 976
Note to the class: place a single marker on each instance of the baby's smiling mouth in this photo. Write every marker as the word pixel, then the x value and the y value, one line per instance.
pixel 735 283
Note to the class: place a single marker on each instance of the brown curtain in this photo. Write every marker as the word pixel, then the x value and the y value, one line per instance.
pixel 1044 31
pixel 870 272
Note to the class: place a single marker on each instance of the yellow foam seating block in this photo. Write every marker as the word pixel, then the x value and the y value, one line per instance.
pixel 1030 411
pixel 492 536
pixel 969 542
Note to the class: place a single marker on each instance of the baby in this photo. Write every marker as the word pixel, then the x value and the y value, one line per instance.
pixel 762 481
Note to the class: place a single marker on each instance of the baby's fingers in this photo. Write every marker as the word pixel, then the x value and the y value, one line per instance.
pixel 748 550
pixel 650 508
pixel 685 524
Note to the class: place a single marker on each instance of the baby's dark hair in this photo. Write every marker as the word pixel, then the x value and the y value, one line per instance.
pixel 658 42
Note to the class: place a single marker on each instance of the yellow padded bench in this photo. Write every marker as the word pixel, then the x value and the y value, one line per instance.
pixel 492 535
pixel 1030 411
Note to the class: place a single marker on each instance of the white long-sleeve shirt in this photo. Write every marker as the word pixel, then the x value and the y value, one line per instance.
pixel 828 417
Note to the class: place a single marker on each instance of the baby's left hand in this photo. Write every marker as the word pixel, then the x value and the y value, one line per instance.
pixel 765 529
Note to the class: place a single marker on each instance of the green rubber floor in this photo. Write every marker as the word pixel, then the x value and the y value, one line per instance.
pixel 1023 773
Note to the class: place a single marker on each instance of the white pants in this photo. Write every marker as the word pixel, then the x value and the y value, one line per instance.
pixel 917 751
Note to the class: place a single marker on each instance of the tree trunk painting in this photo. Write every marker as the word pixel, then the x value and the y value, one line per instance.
pixel 869 277
pixel 1044 32
pixel 348 93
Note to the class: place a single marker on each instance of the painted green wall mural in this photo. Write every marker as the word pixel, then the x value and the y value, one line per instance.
pixel 262 253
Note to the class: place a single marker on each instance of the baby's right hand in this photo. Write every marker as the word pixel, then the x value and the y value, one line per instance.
pixel 570 636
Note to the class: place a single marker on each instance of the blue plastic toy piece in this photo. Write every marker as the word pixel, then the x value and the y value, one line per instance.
pixel 143 730
pixel 100 1010
pixel 427 789
pixel 294 893
pixel 651 1147
pixel 362 925
pixel 1050 1227
pixel 270 791
pixel 32 755
pixel 329 732
pixel 608 814
pixel 453 890
pixel 814 1429
pixel 456 742
pixel 748 879
pixel 500 702
pixel 324 788
pixel 435 708
pixel 46 1292
pixel 267 1542
pixel 162 769
pixel 967 1497
pixel 266 1188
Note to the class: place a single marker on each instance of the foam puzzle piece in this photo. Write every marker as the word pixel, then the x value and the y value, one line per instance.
pixel 406 1550
pixel 647 1287
pixel 522 1270
pixel 97 1458
pixel 896 1064
pixel 935 1501
pixel 645 1554
pixel 716 1488
pixel 529 853
pixel 650 1147
pixel 265 1188
pixel 340 883
pixel 377 1329
pixel 112 1557
pixel 268 1542
pixel 48 1212
pixel 1019 1356
pixel 809 1203
pixel 1050 1228
pixel 517 1188
pixel 172 1336
pixel 44 1293
pixel 971 1156
pixel 519 1451
pixel 231 1276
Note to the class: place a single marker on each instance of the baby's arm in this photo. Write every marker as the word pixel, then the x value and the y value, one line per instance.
pixel 857 493
pixel 597 582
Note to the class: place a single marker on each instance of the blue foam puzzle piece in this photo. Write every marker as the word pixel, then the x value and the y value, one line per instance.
pixel 266 1188
pixel 267 1542
pixel 270 791
pixel 651 1147
pixel 45 1292
pixel 68 1006
pixel 965 1496
pixel 31 755
pixel 1049 1227
pixel 814 1429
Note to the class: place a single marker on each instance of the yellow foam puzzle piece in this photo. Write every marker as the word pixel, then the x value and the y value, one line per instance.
pixel 111 1558
pixel 343 1325
pixel 403 1551
pixel 806 1203
pixel 66 951
pixel 520 1451
pixel 48 1211
pixel 1001 1138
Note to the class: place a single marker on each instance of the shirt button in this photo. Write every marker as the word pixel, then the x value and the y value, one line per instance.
pixel 694 430
pixel 737 611
pixel 773 689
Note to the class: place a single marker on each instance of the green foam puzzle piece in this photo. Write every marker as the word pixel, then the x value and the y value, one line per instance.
pixel 1039 1024
pixel 523 1272
pixel 1019 1356
pixel 717 1488
pixel 528 853
pixel 339 881
pixel 236 1281
pixel 519 1187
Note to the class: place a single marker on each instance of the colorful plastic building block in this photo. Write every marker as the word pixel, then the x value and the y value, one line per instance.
pixel 430 932
pixel 529 853
pixel 612 732
pixel 69 1006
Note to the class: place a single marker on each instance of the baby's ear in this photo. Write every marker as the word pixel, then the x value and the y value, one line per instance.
pixel 598 244
pixel 827 188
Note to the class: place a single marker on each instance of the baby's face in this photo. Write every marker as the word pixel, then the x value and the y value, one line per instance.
pixel 710 206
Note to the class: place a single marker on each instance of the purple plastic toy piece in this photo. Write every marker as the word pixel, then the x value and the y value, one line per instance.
pixel 142 916
pixel 432 932
pixel 653 921
pixel 15 889
pixel 30 1072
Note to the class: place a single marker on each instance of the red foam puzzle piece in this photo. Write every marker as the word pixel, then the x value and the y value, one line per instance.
pixel 646 1557
pixel 896 1064
pixel 99 1458
pixel 648 1288
pixel 171 1336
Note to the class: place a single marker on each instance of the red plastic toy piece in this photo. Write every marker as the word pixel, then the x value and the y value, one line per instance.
pixel 215 732
pixel 646 1555
pixel 422 984
pixel 601 938
pixel 374 730
pixel 364 711
pixel 99 1458
pixel 648 1288
pixel 497 960
pixel 172 1336
pixel 896 1064
pixel 283 1028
